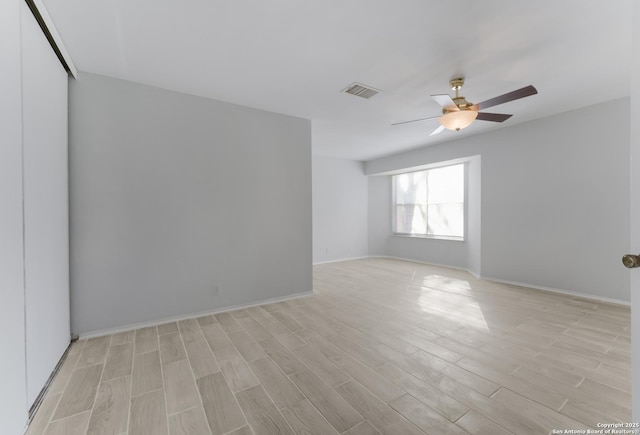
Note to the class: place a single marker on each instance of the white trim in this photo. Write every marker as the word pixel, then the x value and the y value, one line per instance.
pixel 425 166
pixel 427 169
pixel 340 259
pixel 44 13
pixel 429 237
pixel 132 326
pixel 587 296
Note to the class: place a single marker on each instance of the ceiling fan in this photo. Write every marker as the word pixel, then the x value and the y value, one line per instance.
pixel 458 113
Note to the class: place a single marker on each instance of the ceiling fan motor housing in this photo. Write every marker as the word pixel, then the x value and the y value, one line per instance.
pixel 457 83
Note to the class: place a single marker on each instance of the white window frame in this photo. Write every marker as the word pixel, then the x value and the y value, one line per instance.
pixel 430 236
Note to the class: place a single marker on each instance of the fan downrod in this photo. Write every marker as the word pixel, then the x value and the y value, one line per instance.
pixel 460 102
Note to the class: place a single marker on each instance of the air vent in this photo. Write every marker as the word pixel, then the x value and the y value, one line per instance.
pixel 360 90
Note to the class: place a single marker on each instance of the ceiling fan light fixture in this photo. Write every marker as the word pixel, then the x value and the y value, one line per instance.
pixel 458 120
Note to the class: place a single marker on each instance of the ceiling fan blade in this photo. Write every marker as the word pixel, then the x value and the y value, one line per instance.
pixel 437 130
pixel 445 101
pixel 416 120
pixel 510 96
pixel 495 117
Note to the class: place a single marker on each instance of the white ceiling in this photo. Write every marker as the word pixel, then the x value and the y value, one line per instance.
pixel 295 56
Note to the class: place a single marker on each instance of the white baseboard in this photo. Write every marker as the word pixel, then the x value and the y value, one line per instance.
pixel 587 296
pixel 339 260
pixel 132 326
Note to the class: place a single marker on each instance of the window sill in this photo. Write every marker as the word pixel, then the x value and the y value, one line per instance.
pixel 417 236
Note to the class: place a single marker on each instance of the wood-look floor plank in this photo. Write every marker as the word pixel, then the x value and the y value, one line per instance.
pixel 111 410
pixel 228 322
pixel 505 416
pixel 146 339
pixel 75 425
pixel 123 337
pixel 94 351
pixel 328 349
pixel 238 373
pixel 245 430
pixel 361 353
pixel 148 414
pixel 220 406
pixel 171 348
pixel 62 378
pixel 255 329
pixel 611 376
pixel 544 416
pixel 322 366
pixel 424 417
pixel 470 379
pixel 288 321
pixel 262 413
pixel 606 392
pixel 147 373
pixel 363 428
pixel 119 361
pixel 334 408
pixel 189 330
pixel 190 422
pixel 201 358
pixel 584 413
pixel 167 328
pixel 390 340
pixel 477 424
pixel 206 320
pixel 425 392
pixel 378 413
pixel 281 390
pixel 581 397
pixel 519 385
pixel 304 418
pixel 80 392
pixel 220 344
pixel 180 388
pixel 247 347
pixel 290 340
pixel 286 360
pixel 374 382
pixel 43 415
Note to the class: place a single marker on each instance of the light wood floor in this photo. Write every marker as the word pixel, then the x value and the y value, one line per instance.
pixel 384 347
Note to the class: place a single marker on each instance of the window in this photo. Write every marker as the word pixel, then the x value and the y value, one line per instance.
pixel 430 203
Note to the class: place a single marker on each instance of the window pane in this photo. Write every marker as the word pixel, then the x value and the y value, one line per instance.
pixel 411 219
pixel 411 188
pixel 446 220
pixel 446 185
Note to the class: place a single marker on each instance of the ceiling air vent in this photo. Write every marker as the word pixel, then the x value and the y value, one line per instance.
pixel 360 90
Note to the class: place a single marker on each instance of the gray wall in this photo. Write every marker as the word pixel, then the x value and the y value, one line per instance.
pixel 339 209
pixel 554 200
pixel 174 196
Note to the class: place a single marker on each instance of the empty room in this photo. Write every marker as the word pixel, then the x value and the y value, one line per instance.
pixel 329 218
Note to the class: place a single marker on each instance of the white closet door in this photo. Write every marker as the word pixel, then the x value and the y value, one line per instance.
pixel 46 209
